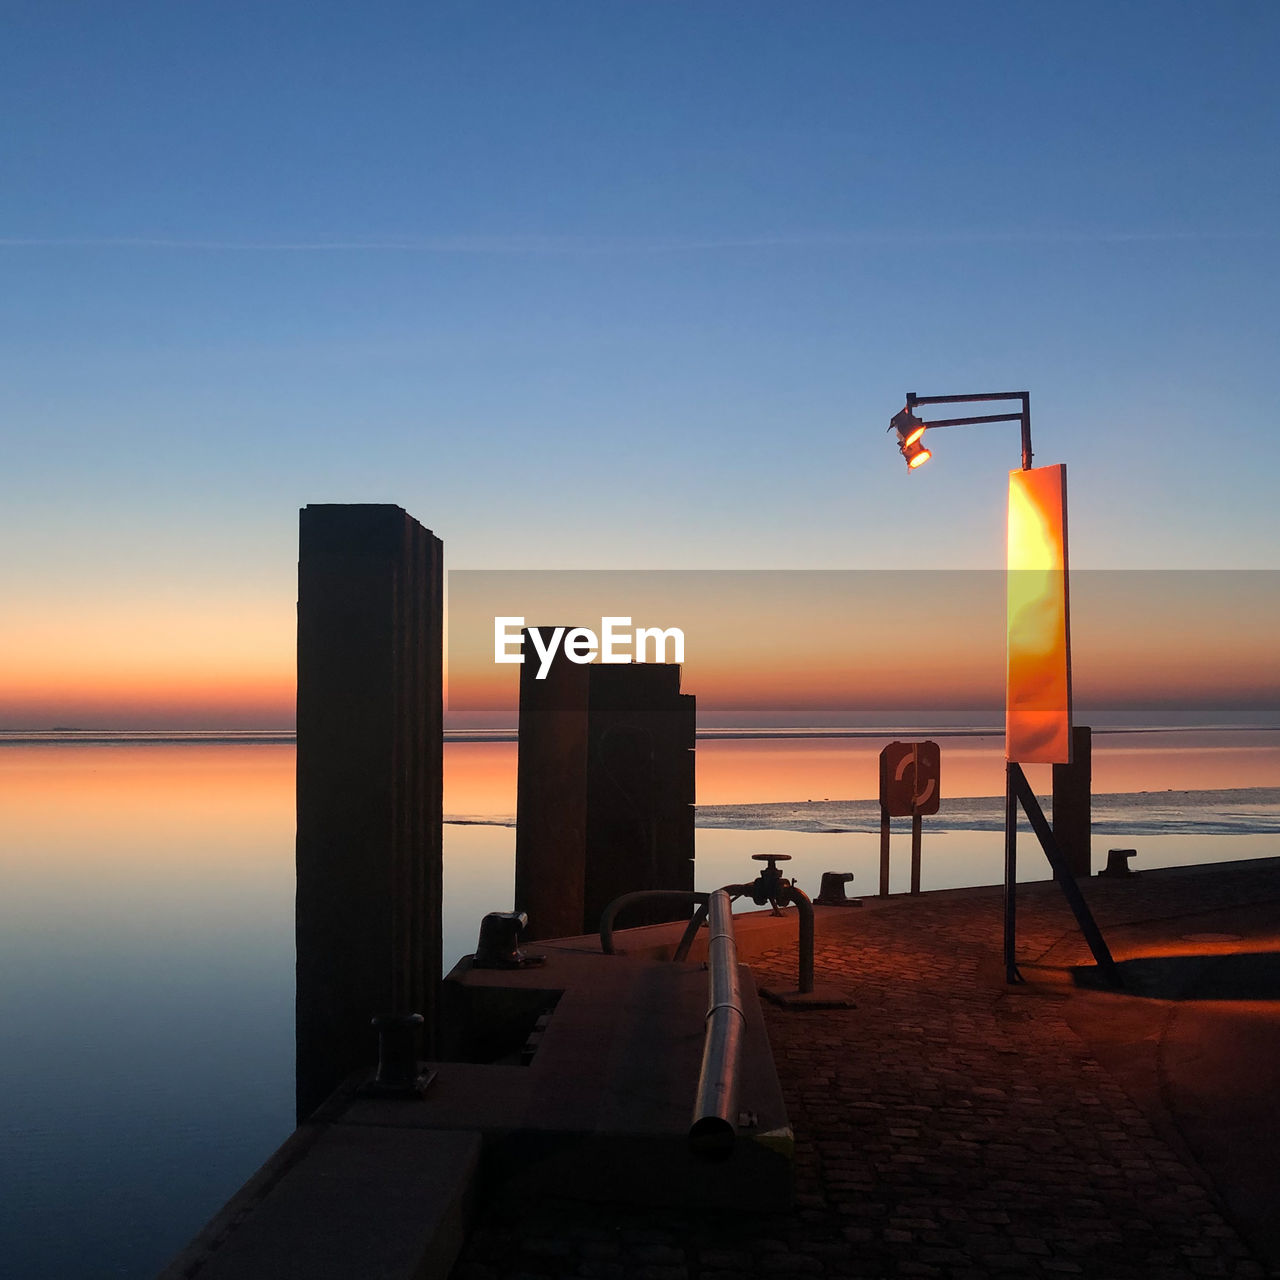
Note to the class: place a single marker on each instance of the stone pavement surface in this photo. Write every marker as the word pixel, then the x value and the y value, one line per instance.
pixel 952 1126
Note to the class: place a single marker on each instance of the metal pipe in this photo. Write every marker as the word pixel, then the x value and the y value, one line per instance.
pixel 968 422
pixel 692 896
pixel 912 398
pixel 805 908
pixel 714 1127
pixel 1026 431
pixel 690 932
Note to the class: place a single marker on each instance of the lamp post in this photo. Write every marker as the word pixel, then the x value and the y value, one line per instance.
pixel 1039 655
pixel 910 429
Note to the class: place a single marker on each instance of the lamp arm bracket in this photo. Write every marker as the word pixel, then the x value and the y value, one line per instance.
pixel 1024 417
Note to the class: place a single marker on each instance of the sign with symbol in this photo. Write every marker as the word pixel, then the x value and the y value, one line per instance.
pixel 909 778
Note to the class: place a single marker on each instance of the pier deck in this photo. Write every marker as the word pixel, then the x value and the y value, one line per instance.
pixel 952 1126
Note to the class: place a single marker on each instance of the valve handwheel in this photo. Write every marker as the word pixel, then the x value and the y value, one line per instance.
pixel 771 886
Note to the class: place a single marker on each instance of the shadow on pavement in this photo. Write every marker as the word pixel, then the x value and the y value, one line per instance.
pixel 1249 975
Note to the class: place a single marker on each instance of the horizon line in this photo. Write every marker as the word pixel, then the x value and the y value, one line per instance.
pixel 264 736
pixel 564 245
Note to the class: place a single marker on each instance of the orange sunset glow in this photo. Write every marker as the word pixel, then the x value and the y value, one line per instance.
pixel 761 648
pixel 143 664
pixel 84 802
pixel 806 648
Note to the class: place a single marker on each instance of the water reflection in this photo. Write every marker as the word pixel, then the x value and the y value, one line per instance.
pixel 146 945
pixel 146 950
pixel 480 777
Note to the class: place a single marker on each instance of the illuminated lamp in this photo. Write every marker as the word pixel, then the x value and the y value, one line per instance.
pixel 915 454
pixel 910 429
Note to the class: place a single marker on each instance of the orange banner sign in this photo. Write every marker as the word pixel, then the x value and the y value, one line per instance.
pixel 1038 692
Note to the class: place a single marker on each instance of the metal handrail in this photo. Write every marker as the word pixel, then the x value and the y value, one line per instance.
pixel 714 1127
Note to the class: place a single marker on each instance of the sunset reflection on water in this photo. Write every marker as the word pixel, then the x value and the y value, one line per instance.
pixel 480 777
pixel 146 939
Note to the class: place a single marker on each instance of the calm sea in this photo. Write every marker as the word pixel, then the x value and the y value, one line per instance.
pixel 146 931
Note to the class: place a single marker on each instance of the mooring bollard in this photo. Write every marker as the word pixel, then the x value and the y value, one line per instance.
pixel 397 1051
pixel 1118 863
pixel 498 945
pixel 831 891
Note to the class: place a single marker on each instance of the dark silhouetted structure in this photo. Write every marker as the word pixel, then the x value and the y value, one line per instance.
pixel 605 792
pixel 370 768
pixel 1073 800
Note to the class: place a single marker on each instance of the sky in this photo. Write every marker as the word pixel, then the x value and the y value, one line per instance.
pixel 864 648
pixel 606 285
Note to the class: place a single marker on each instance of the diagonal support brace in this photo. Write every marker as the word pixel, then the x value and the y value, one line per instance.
pixel 1020 789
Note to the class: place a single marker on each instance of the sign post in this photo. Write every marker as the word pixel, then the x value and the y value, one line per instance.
pixel 910 775
pixel 1038 723
pixel 1038 727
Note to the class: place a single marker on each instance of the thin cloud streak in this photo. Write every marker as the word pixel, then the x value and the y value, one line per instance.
pixel 569 245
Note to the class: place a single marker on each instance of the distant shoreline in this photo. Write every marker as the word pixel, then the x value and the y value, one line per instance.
pixel 1226 811
pixel 287 737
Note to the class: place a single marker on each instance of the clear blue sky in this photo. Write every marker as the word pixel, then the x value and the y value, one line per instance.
pixel 627 284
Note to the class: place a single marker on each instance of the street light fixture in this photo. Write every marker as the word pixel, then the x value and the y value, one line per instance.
pixel 1037 728
pixel 910 429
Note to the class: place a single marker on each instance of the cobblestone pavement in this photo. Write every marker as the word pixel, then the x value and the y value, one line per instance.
pixel 947 1126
